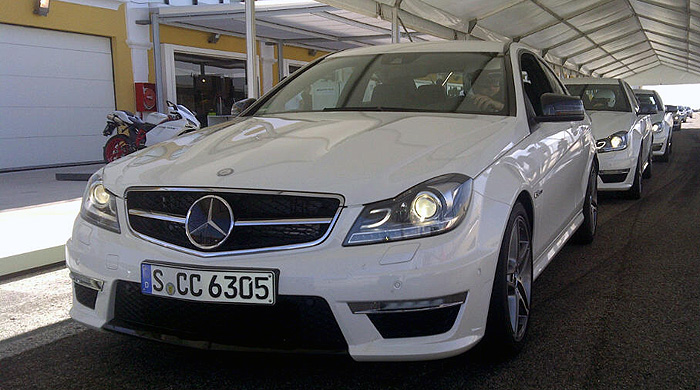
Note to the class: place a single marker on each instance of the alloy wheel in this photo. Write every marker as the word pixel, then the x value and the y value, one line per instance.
pixel 519 278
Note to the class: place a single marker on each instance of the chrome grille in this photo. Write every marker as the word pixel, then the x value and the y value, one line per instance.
pixel 263 220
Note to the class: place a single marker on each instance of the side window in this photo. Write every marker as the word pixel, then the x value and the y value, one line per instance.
pixel 535 82
pixel 659 103
pixel 553 81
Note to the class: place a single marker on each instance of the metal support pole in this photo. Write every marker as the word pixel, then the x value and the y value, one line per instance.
pixel 251 52
pixel 395 32
pixel 280 60
pixel 157 63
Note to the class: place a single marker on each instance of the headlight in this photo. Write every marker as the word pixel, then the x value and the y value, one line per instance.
pixel 657 127
pixel 433 207
pixel 99 205
pixel 617 141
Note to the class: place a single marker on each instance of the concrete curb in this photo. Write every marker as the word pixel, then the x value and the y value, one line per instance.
pixel 25 262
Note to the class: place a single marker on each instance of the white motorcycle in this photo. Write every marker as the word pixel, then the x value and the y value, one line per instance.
pixel 131 131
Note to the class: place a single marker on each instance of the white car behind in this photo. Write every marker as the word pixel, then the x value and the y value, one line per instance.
pixel 662 124
pixel 623 132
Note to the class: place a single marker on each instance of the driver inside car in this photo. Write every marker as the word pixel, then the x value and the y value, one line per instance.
pixel 486 93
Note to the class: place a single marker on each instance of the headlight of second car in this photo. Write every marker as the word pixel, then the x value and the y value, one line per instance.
pixel 99 206
pixel 657 127
pixel 432 207
pixel 615 142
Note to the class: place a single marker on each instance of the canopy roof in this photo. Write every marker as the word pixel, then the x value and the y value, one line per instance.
pixel 643 41
pixel 301 23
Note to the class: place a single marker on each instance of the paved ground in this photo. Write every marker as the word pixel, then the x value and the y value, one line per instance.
pixel 36 216
pixel 623 312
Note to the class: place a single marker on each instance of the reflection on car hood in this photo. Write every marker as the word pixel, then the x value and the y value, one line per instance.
pixel 365 157
pixel 605 123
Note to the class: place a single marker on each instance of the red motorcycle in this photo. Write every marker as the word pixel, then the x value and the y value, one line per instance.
pixel 131 131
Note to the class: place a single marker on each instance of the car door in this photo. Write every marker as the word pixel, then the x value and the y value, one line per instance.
pixel 558 152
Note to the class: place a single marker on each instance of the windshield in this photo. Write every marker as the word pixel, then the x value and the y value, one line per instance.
pixel 601 97
pixel 647 98
pixel 430 82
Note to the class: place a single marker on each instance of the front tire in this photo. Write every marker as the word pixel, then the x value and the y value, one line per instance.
pixel 586 232
pixel 648 171
pixel 667 153
pixel 636 191
pixel 509 310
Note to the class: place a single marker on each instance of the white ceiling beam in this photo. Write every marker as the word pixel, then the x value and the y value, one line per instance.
pixel 568 24
pixel 652 55
pixel 567 18
pixel 672 37
pixel 669 24
pixel 263 38
pixel 598 45
pixel 678 62
pixel 596 29
pixel 621 59
pixel 636 16
pixel 681 68
pixel 612 53
pixel 355 23
pixel 632 69
pixel 681 10
pixel 682 60
pixel 687 31
pixel 224 14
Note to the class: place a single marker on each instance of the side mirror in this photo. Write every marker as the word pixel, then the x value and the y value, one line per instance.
pixel 647 109
pixel 241 105
pixel 561 108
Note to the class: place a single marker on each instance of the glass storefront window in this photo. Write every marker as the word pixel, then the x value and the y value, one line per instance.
pixel 209 85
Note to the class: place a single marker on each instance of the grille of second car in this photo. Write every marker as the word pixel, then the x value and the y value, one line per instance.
pixel 262 220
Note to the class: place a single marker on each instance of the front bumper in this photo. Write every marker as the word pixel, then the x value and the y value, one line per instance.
pixel 658 148
pixel 457 262
pixel 617 170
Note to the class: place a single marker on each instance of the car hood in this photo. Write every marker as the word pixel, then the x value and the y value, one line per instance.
pixel 365 157
pixel 606 123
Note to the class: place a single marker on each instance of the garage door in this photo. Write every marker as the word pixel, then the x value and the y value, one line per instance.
pixel 55 90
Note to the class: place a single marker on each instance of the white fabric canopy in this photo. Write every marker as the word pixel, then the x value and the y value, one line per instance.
pixel 634 39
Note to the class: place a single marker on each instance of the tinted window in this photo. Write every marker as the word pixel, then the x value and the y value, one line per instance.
pixel 645 98
pixel 535 82
pixel 601 97
pixel 431 82
pixel 553 81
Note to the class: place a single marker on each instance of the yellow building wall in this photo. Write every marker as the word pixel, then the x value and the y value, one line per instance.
pixel 83 19
pixel 199 39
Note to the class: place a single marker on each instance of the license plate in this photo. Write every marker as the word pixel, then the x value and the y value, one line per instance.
pixel 209 285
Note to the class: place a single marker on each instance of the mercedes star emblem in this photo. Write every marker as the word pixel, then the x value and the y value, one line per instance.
pixel 209 222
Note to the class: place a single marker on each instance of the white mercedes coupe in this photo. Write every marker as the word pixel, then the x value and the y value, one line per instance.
pixel 623 130
pixel 391 202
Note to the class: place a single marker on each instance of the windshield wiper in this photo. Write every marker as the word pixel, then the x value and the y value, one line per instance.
pixel 378 108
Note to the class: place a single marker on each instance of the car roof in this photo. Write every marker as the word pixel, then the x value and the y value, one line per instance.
pixel 426 47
